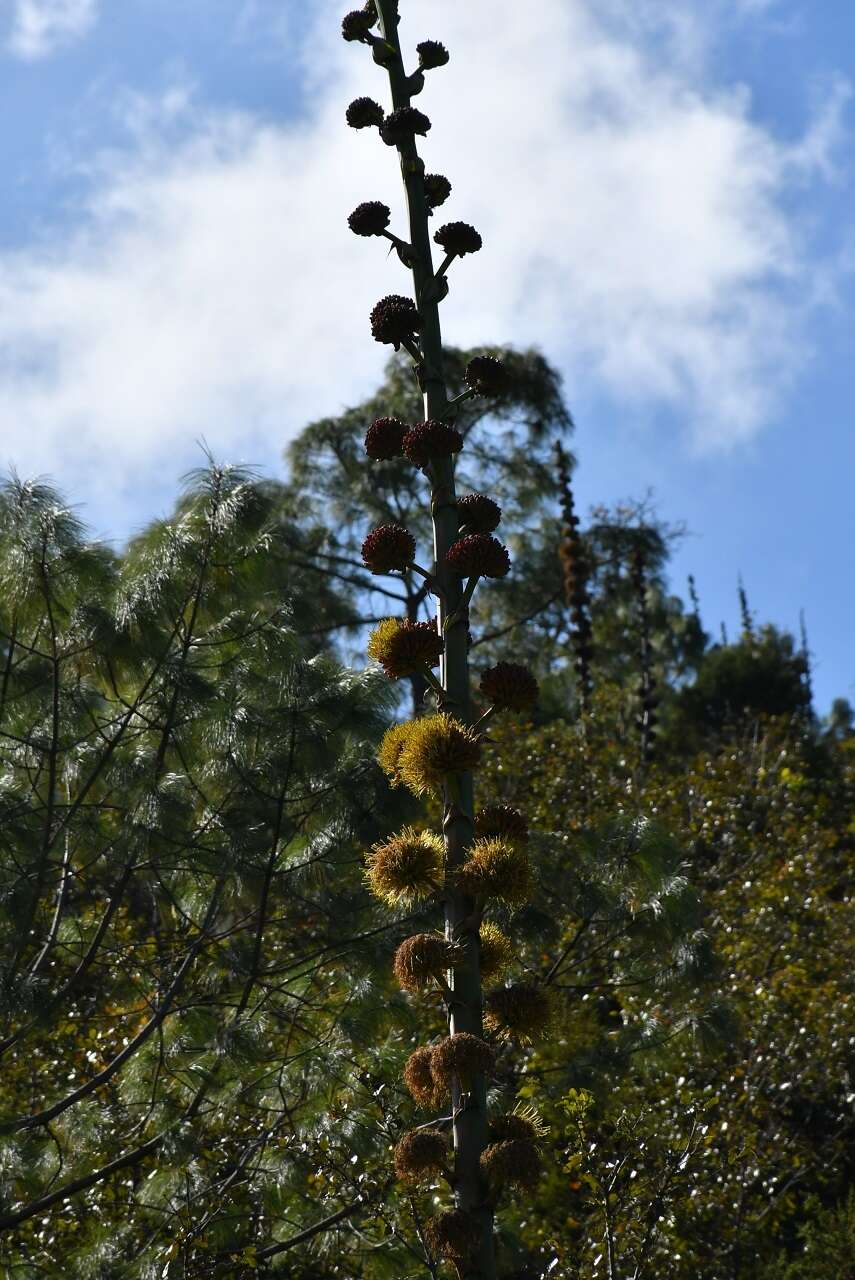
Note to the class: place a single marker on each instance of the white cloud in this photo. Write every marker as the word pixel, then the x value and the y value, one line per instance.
pixel 636 225
pixel 41 26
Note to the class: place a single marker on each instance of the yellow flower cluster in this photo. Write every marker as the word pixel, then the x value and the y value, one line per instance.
pixel 496 869
pixel 405 868
pixel 422 754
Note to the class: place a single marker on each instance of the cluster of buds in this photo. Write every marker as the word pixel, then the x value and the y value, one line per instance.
pixel 647 696
pixel 481 859
pixel 575 569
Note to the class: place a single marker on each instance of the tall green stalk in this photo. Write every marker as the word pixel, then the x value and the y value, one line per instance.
pixel 473 862
pixel 464 1010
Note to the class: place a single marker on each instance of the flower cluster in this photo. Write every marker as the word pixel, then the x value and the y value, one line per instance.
pixel 371 218
pixel 503 821
pixel 429 751
pixel 437 190
pixel 514 1163
pixel 452 1235
pixel 431 54
pixel 496 951
pixel 364 113
pixel 509 687
pixel 422 959
pixel 356 24
pixel 520 1012
pixel 384 439
pixel 395 319
pixel 458 239
pixel 402 647
pixel 401 126
pixel 389 548
pixel 496 869
pixel 486 376
pixel 478 513
pixel 462 1057
pixel 424 1151
pixel 428 440
pixel 406 867
pixel 478 556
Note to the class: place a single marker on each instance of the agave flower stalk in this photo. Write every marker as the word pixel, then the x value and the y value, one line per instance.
pixel 464 1009
pixel 471 866
pixel 470 1124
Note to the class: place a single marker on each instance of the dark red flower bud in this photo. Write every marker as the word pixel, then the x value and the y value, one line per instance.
pixel 384 439
pixel 394 319
pixel 363 113
pixel 403 124
pixel 437 190
pixel 509 686
pixel 478 556
pixel 458 238
pixel 486 375
pixel 356 24
pixel 431 439
pixel 370 218
pixel 388 549
pixel 479 514
pixel 431 54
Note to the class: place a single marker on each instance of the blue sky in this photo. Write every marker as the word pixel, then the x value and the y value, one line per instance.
pixel 663 187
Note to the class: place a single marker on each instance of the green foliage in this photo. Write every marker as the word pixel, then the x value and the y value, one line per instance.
pixel 187 794
pixel 826 1244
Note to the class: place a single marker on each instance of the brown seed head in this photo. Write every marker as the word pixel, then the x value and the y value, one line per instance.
pixel 523 1124
pixel 403 124
pixel 422 958
pixel 394 319
pixel 356 24
pixel 437 190
pixel 514 1163
pixel 432 54
pixel 462 1055
pixel 421 1152
pixel 453 1235
pixel 418 1078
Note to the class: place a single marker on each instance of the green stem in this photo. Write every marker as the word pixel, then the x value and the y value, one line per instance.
pixel 464 1014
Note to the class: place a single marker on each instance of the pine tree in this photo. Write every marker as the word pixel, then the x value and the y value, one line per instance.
pixel 181 790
